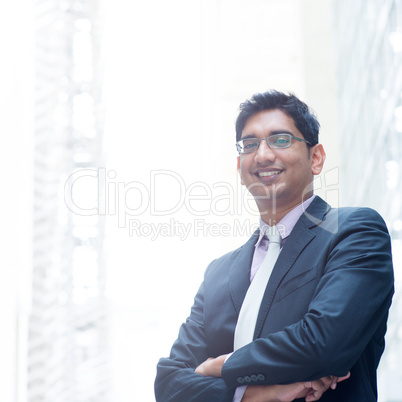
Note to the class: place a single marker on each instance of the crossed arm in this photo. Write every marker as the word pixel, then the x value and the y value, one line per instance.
pixel 181 376
pixel 310 390
pixel 351 301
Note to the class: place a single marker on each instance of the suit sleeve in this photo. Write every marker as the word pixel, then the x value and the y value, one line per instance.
pixel 176 380
pixel 349 309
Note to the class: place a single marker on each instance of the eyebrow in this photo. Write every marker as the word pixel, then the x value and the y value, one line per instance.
pixel 271 133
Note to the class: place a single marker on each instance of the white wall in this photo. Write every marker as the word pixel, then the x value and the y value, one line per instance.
pixel 176 73
pixel 16 158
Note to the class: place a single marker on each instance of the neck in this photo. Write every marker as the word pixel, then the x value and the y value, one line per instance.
pixel 271 218
pixel 273 213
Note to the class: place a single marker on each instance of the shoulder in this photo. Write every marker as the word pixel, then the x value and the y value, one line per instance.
pixel 319 211
pixel 352 216
pixel 360 211
pixel 223 264
pixel 340 225
pixel 362 227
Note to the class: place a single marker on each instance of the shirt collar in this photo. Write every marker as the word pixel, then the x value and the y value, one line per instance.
pixel 288 222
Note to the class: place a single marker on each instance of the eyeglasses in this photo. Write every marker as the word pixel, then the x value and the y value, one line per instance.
pixel 276 141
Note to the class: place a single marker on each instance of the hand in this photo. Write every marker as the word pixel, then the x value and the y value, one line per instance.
pixel 318 387
pixel 212 367
pixel 311 390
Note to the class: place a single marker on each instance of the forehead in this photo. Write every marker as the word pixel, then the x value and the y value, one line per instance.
pixel 267 122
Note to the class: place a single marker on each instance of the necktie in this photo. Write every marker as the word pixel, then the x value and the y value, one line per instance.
pixel 245 326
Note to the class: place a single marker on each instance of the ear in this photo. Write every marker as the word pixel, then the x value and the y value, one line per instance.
pixel 238 169
pixel 317 156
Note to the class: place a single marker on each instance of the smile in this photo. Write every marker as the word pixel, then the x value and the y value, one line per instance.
pixel 270 173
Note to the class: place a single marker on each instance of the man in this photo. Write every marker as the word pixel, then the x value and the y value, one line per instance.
pixel 324 309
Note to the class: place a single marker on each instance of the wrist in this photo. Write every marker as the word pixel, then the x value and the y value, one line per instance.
pixel 261 393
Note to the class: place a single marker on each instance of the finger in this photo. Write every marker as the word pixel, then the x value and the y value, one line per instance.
pixel 318 388
pixel 340 379
pixel 312 397
pixel 327 381
pixel 334 382
pixel 318 393
pixel 321 384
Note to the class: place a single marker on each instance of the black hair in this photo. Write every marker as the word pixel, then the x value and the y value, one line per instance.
pixel 304 118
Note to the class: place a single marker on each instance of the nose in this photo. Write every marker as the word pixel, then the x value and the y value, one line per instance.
pixel 264 153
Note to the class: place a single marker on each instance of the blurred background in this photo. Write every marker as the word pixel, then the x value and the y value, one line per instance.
pixel 118 168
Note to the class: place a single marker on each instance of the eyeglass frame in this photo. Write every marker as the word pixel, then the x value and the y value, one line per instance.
pixel 268 143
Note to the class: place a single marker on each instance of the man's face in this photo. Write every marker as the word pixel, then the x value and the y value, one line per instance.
pixel 279 179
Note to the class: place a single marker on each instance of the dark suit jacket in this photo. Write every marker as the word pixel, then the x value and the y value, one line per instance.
pixel 324 312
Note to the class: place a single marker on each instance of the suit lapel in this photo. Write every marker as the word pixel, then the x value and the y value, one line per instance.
pixel 298 239
pixel 239 276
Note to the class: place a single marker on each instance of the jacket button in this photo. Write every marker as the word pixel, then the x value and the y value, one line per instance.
pixel 247 378
pixel 254 378
pixel 240 380
pixel 261 377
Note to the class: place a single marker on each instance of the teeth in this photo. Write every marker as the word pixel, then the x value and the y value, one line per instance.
pixel 271 173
